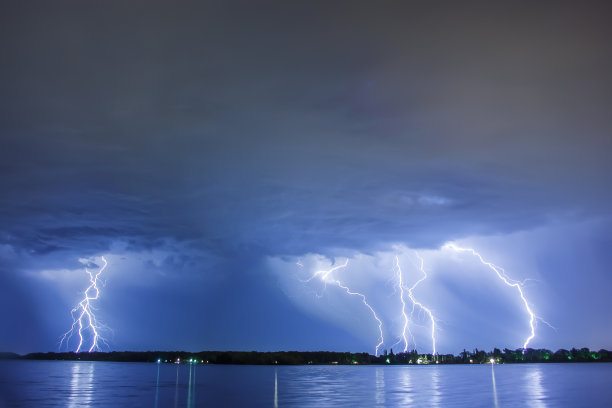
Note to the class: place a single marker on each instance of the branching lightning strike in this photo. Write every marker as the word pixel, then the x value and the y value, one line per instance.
pixel 406 327
pixel 419 304
pixel 501 274
pixel 83 315
pixel 325 277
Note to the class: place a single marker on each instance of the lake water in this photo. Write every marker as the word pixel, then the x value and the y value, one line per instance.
pixel 106 384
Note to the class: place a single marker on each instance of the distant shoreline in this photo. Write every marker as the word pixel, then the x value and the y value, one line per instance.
pixel 475 356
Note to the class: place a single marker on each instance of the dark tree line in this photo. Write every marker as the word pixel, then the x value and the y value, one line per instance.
pixel 506 356
pixel 330 357
pixel 215 357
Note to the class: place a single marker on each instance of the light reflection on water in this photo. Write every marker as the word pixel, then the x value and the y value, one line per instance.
pixel 190 392
pixel 436 394
pixel 275 388
pixel 405 383
pixel 81 385
pixel 535 389
pixel 495 403
pixel 380 386
pixel 178 366
pixel 87 384
pixel 157 387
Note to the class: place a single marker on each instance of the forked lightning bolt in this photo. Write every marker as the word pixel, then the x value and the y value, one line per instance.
pixel 83 317
pixel 419 304
pixel 406 327
pixel 325 277
pixel 501 274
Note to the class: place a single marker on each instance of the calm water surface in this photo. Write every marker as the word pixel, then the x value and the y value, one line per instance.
pixel 106 384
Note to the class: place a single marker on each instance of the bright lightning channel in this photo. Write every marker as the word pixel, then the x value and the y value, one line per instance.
pixel 325 277
pixel 419 304
pixel 404 315
pixel 83 314
pixel 501 274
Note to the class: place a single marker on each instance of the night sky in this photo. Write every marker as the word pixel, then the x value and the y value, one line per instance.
pixel 207 148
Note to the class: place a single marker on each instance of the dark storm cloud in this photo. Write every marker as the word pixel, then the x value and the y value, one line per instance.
pixel 295 128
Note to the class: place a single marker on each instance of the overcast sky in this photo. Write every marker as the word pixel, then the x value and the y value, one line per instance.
pixel 205 148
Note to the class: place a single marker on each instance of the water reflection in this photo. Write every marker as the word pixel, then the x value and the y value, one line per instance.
pixel 81 385
pixel 405 381
pixel 189 388
pixel 535 390
pixel 157 387
pixel 380 386
pixel 495 403
pixel 176 387
pixel 71 384
pixel 275 389
pixel 193 394
pixel 436 394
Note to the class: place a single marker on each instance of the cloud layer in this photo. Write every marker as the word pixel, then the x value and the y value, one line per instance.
pixel 213 137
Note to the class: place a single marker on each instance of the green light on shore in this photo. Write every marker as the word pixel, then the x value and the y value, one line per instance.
pixel 388 361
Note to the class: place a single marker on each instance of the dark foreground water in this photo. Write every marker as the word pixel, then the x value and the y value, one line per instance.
pixel 105 384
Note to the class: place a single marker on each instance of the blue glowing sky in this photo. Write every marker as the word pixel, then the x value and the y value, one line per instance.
pixel 205 150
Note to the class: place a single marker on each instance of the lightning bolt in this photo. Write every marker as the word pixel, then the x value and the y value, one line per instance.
pixel 404 315
pixel 325 277
pixel 501 274
pixel 419 304
pixel 83 315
